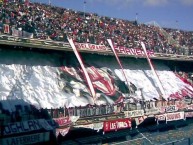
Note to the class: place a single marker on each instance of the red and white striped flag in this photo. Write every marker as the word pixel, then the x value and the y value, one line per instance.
pixel 115 53
pixel 83 68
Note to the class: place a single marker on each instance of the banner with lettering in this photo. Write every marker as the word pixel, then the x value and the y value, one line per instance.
pixel 133 51
pixel 26 126
pixel 65 121
pixel 161 117
pixel 152 111
pixel 135 113
pixel 26 139
pixel 174 116
pixel 114 125
pixel 89 46
pixel 88 126
pixel 171 108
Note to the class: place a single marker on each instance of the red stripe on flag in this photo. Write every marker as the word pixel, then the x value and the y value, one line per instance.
pixel 83 68
pixel 119 62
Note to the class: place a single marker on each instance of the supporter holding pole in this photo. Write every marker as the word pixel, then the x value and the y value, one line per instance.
pixel 154 73
pixel 83 68
pixel 119 62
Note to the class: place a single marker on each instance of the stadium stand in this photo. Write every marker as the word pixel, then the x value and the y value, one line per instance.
pixel 56 85
pixel 41 21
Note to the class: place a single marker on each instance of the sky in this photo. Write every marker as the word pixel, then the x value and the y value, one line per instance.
pixel 166 13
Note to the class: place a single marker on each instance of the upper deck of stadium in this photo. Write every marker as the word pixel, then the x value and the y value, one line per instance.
pixel 46 22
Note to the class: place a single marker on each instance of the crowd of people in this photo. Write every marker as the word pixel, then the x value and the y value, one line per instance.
pixel 30 112
pixel 100 110
pixel 187 77
pixel 50 22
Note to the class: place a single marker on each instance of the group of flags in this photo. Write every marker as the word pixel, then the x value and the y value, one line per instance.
pixel 88 79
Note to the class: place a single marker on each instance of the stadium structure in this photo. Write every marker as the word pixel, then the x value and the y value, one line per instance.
pixel 69 77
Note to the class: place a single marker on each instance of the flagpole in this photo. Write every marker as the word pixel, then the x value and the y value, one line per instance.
pixel 91 87
pixel 154 73
pixel 136 17
pixel 84 7
pixel 119 62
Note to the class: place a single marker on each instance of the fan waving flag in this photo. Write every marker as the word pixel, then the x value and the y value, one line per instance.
pixel 112 47
pixel 83 68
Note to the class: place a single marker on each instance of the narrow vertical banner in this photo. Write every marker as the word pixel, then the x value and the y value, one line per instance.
pixel 154 73
pixel 119 62
pixel 83 68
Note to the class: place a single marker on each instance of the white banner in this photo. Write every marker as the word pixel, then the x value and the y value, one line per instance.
pixel 174 116
pixel 118 49
pixel 171 108
pixel 89 126
pixel 152 111
pixel 161 117
pixel 16 32
pixel 135 113
pixel 89 46
pixel 98 126
pixel 27 34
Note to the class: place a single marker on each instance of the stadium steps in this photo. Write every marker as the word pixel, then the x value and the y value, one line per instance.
pixel 114 137
pixel 90 140
pixel 136 142
pixel 70 142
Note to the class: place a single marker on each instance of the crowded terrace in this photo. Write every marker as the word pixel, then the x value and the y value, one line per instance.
pixel 42 21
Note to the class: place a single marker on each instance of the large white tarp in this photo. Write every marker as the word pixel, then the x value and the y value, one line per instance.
pixel 49 86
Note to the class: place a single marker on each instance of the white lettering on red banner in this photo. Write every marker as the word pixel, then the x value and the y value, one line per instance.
pixel 133 51
pixel 63 121
pixel 116 124
pixel 135 113
pixel 118 49
pixel 174 116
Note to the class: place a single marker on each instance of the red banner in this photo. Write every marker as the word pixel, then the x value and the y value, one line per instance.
pixel 116 124
pixel 62 121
